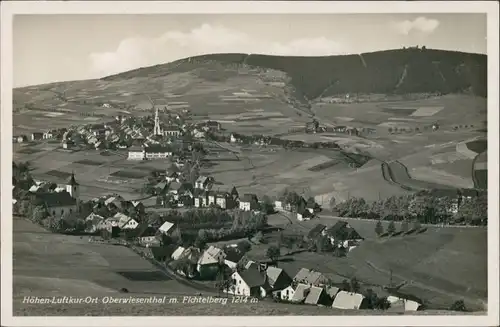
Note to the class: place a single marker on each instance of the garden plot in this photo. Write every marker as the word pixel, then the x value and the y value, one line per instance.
pixel 426 111
pixel 465 151
pixel 443 177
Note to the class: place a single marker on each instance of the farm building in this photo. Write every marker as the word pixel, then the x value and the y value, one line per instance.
pixel 343 233
pixel 304 215
pixel 233 256
pixel 167 228
pixel 36 136
pixel 146 235
pixel 93 221
pixel 172 177
pixel 332 292
pixel 250 282
pixel 136 153
pixel 317 295
pixel 285 294
pixel 300 293
pixel 204 183
pixel 249 202
pixel 155 151
pixel 22 139
pixel 351 301
pixel 316 231
pixel 125 222
pixel 208 263
pixel 400 304
pixel 277 278
pixel 177 254
pixel 68 144
pixel 310 277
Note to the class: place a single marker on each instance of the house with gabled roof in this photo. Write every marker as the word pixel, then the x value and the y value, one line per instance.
pixel 92 222
pixel 177 254
pixel 209 262
pixel 310 277
pixel 250 282
pixel 204 183
pixel 125 222
pixel 161 188
pixel 316 231
pixel 350 301
pixel 278 279
pixel 344 235
pixel 401 304
pixel 146 235
pixel 332 292
pixel 167 228
pixel 300 293
pixel 249 202
pixel 317 296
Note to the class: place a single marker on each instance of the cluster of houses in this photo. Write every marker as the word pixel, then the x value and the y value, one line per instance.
pixel 123 132
pixel 203 194
pixel 58 199
pixel 254 279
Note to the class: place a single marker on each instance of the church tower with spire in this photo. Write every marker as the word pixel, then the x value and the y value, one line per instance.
pixel 72 187
pixel 157 128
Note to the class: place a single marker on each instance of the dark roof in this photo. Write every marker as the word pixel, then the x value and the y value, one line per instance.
pixel 249 198
pixel 163 251
pixel 232 254
pixel 253 277
pixel 143 230
pixel 316 231
pixel 342 227
pixel 153 148
pixel 212 123
pixel 56 199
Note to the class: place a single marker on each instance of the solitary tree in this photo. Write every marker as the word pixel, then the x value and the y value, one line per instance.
pixel 391 229
pixel 346 286
pixel 379 229
pixel 273 253
pixel 458 306
pixel 355 287
pixel 404 226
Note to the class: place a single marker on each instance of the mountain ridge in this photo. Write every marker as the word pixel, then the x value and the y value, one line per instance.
pixel 389 72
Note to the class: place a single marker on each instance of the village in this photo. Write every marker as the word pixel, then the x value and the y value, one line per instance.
pixel 197 212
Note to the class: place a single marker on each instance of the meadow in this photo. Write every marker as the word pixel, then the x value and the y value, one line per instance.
pixel 47 264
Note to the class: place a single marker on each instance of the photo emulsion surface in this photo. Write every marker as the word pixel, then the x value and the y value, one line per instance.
pixel 249 164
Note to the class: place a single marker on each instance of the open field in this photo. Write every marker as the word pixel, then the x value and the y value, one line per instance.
pixel 47 264
pixel 449 111
pixel 268 170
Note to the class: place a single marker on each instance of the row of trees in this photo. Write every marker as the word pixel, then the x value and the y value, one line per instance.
pixel 424 207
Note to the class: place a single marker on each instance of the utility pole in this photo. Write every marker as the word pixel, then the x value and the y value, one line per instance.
pixel 390 279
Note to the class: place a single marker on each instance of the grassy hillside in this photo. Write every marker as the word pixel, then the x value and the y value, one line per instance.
pixel 392 71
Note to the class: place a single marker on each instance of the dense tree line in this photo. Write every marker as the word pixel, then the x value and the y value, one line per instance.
pixel 424 207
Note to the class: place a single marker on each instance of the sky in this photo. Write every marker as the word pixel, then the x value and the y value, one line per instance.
pixel 53 48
